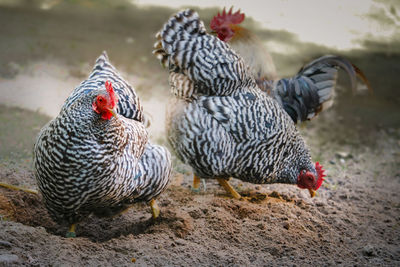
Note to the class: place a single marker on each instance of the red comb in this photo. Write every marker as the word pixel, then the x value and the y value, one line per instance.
pixel 226 18
pixel 321 175
pixel 111 93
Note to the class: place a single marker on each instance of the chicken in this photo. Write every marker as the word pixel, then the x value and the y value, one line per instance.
pixel 221 124
pixel 303 96
pixel 94 157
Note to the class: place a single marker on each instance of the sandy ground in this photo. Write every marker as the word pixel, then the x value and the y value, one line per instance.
pixel 353 220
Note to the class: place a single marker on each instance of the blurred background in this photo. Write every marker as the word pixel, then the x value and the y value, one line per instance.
pixel 47 47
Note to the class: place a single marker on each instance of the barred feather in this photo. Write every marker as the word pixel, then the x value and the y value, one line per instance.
pixel 209 63
pixel 247 137
pixel 128 102
pixel 181 86
pixel 312 90
pixel 221 124
pixel 84 164
pixel 302 96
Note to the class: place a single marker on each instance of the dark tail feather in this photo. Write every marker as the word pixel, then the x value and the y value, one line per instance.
pixel 312 89
pixel 299 97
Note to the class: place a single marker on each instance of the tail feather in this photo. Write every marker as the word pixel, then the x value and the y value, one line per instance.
pixel 212 67
pixel 328 65
pixel 312 90
pixel 184 24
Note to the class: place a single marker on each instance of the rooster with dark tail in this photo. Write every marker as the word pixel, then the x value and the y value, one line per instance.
pixel 302 96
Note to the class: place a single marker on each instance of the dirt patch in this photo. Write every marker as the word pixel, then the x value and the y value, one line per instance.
pixel 355 223
pixel 354 220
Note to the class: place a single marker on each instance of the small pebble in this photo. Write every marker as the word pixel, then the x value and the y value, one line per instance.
pixel 343 155
pixel 261 226
pixel 179 242
pixel 286 225
pixel 8 259
pixel 369 250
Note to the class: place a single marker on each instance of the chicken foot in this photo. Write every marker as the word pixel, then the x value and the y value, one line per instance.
pixel 228 188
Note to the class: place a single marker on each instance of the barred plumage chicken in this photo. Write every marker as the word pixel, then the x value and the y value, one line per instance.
pixel 304 95
pixel 94 157
pixel 221 124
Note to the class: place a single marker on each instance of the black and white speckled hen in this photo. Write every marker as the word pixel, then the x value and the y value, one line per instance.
pixel 221 124
pixel 94 157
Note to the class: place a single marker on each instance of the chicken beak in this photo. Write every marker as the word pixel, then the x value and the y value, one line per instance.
pixel 113 111
pixel 213 32
pixel 312 192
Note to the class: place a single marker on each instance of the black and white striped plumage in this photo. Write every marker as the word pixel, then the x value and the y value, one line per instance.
pixel 86 164
pixel 128 102
pixel 221 124
pixel 312 89
pixel 302 96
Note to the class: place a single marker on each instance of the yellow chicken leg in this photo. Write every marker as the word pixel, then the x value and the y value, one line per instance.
pixel 228 188
pixel 155 210
pixel 13 187
pixel 196 183
pixel 71 232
